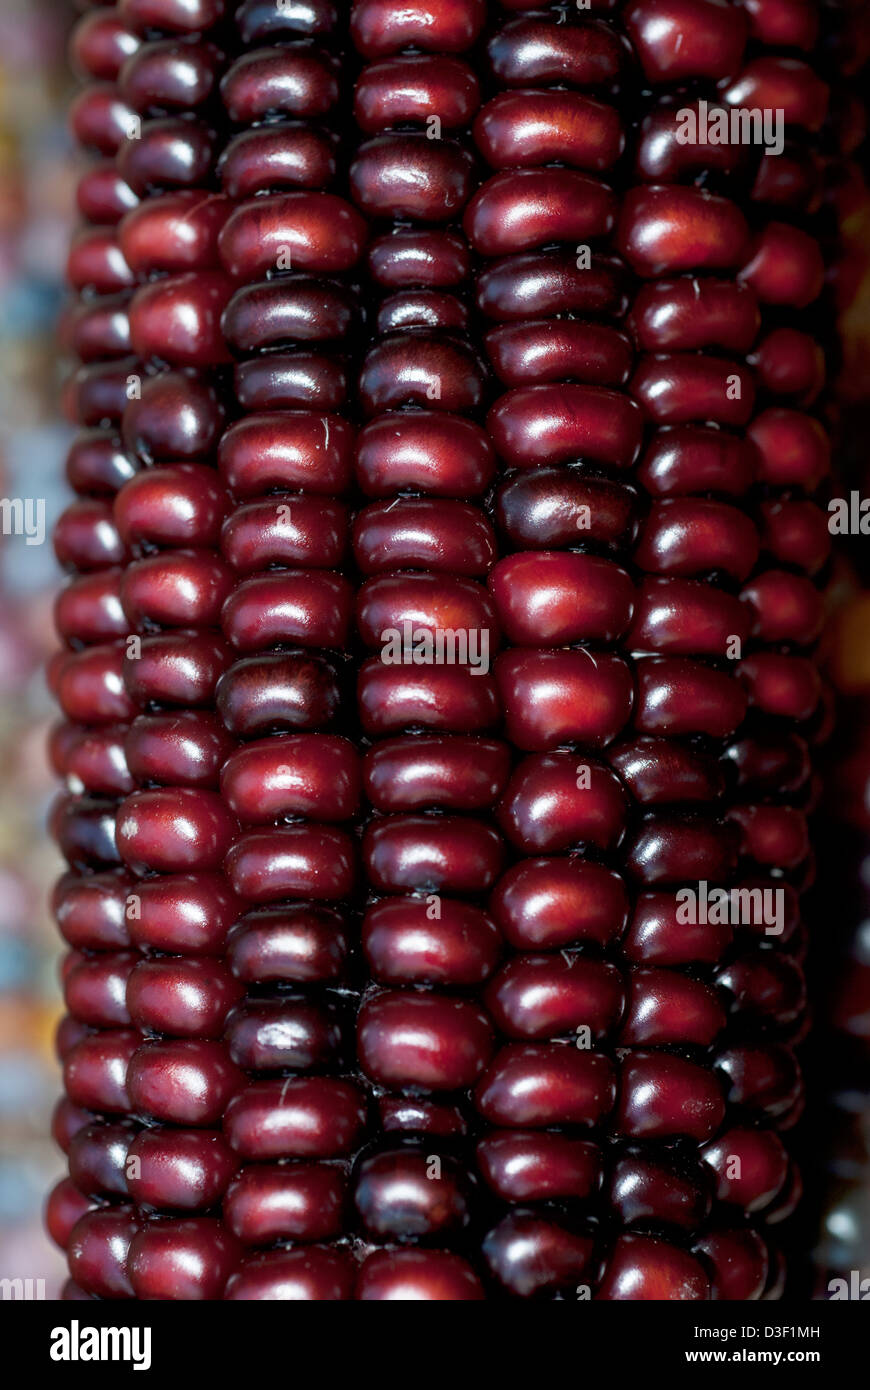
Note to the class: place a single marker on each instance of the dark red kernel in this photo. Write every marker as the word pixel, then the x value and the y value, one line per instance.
pixel 437 1042
pixel 547 904
pixel 536 1086
pixel 415 88
pixel 182 1260
pixel 299 942
pixel 296 861
pixel 680 39
pixel 643 1268
pixel 408 941
pixel 313 1273
pixel 537 50
pixel 531 1256
pixel 379 28
pixel 420 1276
pixel 293 80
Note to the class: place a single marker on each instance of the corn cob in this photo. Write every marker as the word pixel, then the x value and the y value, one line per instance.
pixel 431 773
pixel 287 463
pixel 95 1041
pixel 585 444
pixel 661 1097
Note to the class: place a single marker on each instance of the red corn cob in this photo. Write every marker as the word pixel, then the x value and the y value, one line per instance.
pixel 95 1040
pixel 579 440
pixel 431 774
pixel 175 831
pixel 556 694
pixel 287 463
pixel 691 821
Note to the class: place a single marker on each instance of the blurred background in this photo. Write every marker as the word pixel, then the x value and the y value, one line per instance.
pixel 38 171
pixel 37 181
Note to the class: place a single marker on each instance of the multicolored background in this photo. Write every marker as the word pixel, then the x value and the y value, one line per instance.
pixel 37 181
